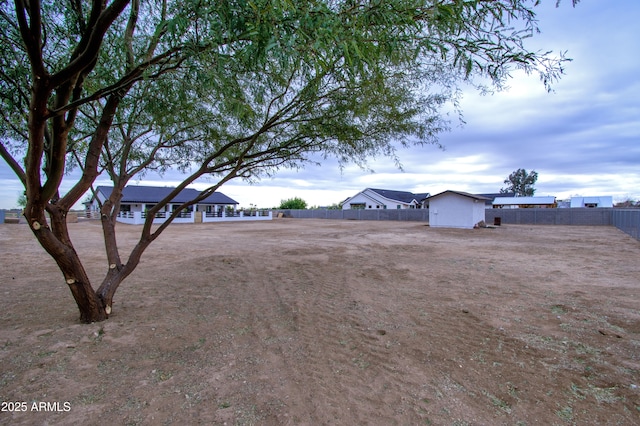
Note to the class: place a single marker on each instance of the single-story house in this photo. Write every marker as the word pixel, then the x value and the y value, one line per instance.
pixel 143 198
pixel 455 209
pixel 602 201
pixel 372 198
pixel 524 202
pixel 137 200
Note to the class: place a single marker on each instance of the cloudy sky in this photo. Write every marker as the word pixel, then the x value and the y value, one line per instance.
pixel 582 139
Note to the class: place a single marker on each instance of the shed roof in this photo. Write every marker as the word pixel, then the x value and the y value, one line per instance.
pixel 463 194
pixel 153 194
pixel 492 196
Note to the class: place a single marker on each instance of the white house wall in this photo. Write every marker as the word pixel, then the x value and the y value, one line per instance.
pixel 455 211
pixel 361 199
pixel 372 200
pixel 478 212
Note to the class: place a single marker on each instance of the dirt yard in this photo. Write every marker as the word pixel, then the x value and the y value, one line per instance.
pixel 319 322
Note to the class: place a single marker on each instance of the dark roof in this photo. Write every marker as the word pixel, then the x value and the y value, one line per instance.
pixel 464 194
pixel 404 196
pixel 422 196
pixel 153 194
pixel 491 197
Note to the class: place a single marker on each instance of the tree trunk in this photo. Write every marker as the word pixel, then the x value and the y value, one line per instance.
pixel 90 306
pixel 55 240
pixel 117 273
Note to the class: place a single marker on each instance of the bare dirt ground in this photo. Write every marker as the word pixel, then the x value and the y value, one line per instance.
pixel 319 322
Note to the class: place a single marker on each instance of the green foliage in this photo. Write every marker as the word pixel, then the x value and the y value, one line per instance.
pixel 22 200
pixel 294 203
pixel 230 90
pixel 521 183
pixel 269 81
pixel 628 203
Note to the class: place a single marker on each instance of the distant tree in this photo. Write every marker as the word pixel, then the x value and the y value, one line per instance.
pixel 521 183
pixel 294 203
pixel 22 200
pixel 628 203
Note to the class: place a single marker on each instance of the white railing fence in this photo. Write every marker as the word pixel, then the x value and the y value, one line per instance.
pixel 224 216
pixel 138 218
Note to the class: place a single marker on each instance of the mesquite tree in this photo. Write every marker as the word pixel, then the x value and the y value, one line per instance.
pixel 520 182
pixel 227 89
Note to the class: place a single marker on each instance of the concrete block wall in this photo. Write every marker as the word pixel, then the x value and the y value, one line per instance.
pixel 574 216
pixel 627 220
pixel 378 214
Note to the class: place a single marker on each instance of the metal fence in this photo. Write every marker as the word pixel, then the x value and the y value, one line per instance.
pixel 627 220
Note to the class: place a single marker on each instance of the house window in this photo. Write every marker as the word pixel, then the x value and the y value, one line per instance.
pixel 125 207
pixel 357 206
pixel 398 206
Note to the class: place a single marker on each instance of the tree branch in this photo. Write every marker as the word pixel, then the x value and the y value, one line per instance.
pixel 89 47
pixel 128 33
pixel 31 33
pixel 90 170
pixel 125 82
pixel 15 166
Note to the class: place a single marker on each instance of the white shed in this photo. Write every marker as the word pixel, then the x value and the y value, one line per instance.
pixel 454 209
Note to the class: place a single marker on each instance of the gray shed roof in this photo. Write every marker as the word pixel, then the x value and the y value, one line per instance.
pixel 464 194
pixel 153 194
pixel 493 196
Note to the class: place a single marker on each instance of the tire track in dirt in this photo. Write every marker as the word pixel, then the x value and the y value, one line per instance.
pixel 365 343
pixel 317 304
pixel 259 333
pixel 309 317
pixel 341 335
pixel 383 344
